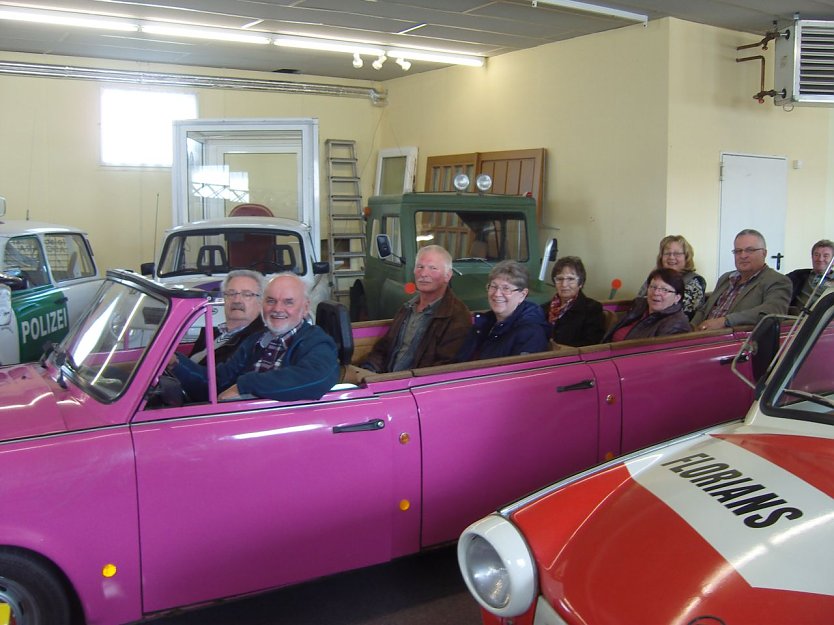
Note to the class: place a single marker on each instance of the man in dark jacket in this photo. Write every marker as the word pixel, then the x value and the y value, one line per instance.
pixel 804 281
pixel 290 360
pixel 430 328
pixel 242 291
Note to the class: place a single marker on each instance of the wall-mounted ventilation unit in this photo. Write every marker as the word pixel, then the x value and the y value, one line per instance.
pixel 804 71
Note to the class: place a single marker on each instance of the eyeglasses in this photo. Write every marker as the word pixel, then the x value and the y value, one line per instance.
pixel 243 294
pixel 661 289
pixel 505 289
pixel 746 250
pixel 666 254
pixel 567 279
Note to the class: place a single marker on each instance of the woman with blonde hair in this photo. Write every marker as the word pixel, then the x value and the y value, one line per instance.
pixel 676 253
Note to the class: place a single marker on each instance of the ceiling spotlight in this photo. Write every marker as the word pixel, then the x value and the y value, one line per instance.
pixel 406 65
pixel 357 61
pixel 378 63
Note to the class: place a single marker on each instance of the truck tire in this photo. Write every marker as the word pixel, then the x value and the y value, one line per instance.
pixel 34 593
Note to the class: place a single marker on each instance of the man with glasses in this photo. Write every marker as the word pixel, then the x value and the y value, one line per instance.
pixel 242 290
pixel 806 280
pixel 290 360
pixel 742 296
pixel 430 328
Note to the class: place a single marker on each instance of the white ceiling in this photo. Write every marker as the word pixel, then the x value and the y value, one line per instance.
pixel 484 27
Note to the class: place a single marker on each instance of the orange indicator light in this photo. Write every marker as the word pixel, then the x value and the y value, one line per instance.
pixel 405 504
pixel 109 570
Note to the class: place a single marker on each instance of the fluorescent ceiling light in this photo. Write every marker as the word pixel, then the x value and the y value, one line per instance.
pixel 595 8
pixel 328 45
pixel 436 57
pixel 67 19
pixel 213 34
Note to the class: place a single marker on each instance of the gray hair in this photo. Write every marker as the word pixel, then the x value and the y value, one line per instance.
pixel 822 243
pixel 515 273
pixel 244 273
pixel 444 254
pixel 754 233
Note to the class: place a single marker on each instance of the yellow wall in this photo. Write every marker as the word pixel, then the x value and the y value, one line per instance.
pixel 634 121
pixel 713 111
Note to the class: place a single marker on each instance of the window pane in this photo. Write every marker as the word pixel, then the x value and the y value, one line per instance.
pixel 68 257
pixel 136 126
pixel 23 257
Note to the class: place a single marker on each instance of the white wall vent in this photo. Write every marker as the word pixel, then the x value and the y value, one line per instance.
pixel 804 71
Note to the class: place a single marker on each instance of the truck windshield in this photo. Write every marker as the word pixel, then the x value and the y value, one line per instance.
pixel 221 250
pixel 102 352
pixel 474 235
pixel 805 389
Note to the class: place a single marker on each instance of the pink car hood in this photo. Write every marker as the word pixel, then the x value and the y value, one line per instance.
pixel 737 527
pixel 27 404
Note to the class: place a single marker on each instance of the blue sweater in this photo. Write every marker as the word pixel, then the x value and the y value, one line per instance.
pixel 526 331
pixel 310 368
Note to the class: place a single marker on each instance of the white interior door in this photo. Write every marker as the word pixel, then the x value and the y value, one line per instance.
pixel 753 195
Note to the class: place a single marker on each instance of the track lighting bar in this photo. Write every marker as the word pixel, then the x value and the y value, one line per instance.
pixel 170 29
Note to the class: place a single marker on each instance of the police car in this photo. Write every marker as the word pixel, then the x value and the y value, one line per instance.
pixel 47 279
pixel 733 525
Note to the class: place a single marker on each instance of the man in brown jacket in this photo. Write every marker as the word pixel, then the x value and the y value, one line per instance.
pixel 428 329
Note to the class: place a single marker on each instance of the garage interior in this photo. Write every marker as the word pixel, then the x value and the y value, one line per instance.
pixel 634 104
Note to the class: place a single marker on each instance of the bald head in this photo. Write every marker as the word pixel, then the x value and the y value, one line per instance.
pixel 286 302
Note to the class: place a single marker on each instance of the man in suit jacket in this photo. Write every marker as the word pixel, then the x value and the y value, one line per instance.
pixel 742 296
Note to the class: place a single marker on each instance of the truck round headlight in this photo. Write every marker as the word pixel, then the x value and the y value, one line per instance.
pixel 497 566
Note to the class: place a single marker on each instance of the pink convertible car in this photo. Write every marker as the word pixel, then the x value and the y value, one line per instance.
pixel 120 502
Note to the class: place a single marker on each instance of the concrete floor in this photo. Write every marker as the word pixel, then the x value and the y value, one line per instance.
pixel 426 589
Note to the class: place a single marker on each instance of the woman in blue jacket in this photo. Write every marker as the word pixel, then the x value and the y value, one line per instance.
pixel 513 325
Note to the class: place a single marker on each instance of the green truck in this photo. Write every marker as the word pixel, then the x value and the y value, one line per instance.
pixel 478 230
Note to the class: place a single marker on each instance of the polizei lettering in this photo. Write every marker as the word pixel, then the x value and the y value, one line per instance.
pixel 738 493
pixel 43 325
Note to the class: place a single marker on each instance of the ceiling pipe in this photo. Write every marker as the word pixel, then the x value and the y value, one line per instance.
pixel 376 96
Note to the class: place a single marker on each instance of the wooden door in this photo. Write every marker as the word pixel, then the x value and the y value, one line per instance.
pixel 513 172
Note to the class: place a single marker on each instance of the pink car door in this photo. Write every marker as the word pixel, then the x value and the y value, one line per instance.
pixel 488 439
pixel 247 495
pixel 678 386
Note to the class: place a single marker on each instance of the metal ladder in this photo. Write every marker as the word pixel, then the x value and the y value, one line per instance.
pixel 347 227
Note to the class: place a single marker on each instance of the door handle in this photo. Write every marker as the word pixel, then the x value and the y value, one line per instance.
pixel 62 300
pixel 728 360
pixel 375 424
pixel 579 386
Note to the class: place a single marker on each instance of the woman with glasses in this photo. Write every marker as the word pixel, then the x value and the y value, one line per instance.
pixel 513 325
pixel 676 253
pixel 575 318
pixel 660 313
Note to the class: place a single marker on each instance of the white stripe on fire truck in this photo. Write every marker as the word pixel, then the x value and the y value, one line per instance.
pixel 775 529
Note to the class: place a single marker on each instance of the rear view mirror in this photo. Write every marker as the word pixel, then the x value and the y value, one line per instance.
pixel 321 267
pixel 383 245
pixel 147 269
